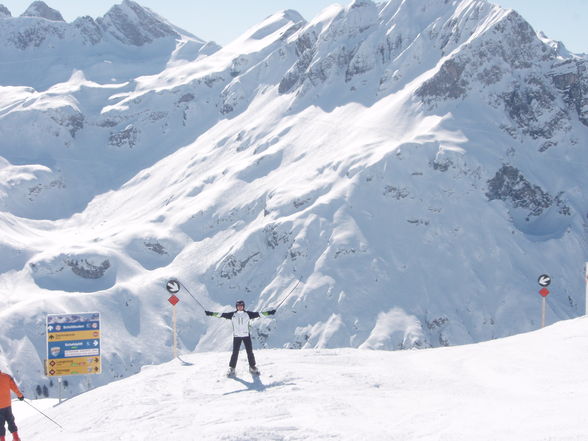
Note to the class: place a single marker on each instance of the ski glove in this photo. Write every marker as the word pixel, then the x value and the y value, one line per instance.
pixel 21 398
pixel 209 313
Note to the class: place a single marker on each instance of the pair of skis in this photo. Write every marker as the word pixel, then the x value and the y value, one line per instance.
pixel 253 371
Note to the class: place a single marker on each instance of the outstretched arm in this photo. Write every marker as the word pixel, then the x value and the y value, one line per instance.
pixel 15 389
pixel 225 315
pixel 253 315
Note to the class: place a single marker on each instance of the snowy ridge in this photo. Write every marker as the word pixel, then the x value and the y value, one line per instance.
pixel 526 392
pixel 41 49
pixel 416 164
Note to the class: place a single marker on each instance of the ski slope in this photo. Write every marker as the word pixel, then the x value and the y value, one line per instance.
pixel 529 387
pixel 415 164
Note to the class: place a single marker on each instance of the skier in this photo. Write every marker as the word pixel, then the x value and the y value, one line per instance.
pixel 241 319
pixel 7 384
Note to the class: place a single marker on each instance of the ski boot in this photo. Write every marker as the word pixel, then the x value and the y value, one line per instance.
pixel 254 370
pixel 15 436
pixel 231 372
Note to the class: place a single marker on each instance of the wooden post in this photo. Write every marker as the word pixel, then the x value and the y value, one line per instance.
pixel 586 281
pixel 173 287
pixel 544 281
pixel 175 331
pixel 543 304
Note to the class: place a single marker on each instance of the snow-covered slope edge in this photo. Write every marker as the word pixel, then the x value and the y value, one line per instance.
pixel 525 388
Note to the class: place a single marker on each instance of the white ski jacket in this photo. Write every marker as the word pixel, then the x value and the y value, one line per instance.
pixel 240 319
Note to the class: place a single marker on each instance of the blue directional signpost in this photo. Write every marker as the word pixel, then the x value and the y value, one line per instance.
pixel 73 345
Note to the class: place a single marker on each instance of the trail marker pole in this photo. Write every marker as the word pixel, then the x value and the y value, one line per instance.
pixel 586 281
pixel 173 287
pixel 174 301
pixel 544 280
pixel 175 325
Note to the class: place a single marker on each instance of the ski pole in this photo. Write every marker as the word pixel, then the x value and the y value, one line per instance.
pixel 188 291
pixel 53 421
pixel 291 291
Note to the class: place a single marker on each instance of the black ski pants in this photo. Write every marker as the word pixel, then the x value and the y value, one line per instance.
pixel 6 416
pixel 248 347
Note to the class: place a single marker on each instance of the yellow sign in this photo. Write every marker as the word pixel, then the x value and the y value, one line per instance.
pixel 73 344
pixel 70 336
pixel 73 366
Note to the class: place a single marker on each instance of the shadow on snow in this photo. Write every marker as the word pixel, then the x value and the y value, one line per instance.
pixel 256 385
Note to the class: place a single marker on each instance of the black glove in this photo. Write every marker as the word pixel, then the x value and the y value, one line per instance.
pixel 208 313
pixel 21 398
pixel 271 311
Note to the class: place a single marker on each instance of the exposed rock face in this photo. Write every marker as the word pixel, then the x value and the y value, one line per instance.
pixel 86 269
pixel 41 10
pixel 509 185
pixel 89 30
pixel 132 24
pixel 448 83
pixel 35 35
pixel 127 136
pixel 4 12
pixel 573 83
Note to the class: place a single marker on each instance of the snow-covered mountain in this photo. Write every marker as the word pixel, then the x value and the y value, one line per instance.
pixel 528 393
pixel 39 49
pixel 415 164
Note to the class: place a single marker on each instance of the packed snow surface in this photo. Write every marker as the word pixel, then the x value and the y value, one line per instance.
pixel 416 165
pixel 530 387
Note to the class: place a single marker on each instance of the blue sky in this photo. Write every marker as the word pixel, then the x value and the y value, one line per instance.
pixel 224 20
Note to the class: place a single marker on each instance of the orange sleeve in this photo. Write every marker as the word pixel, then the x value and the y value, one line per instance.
pixel 15 388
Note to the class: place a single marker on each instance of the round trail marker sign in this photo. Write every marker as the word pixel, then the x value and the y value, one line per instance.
pixel 544 280
pixel 172 286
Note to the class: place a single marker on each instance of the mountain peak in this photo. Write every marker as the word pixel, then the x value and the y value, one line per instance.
pixel 361 3
pixel 292 15
pixel 134 24
pixel 40 9
pixel 4 12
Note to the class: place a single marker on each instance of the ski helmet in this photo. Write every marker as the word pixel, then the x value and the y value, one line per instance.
pixel 240 303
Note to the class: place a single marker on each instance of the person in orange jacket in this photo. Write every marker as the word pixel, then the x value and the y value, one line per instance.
pixel 7 384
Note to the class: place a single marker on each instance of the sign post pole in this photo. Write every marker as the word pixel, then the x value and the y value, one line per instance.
pixel 173 286
pixel 586 281
pixel 544 280
pixel 175 331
